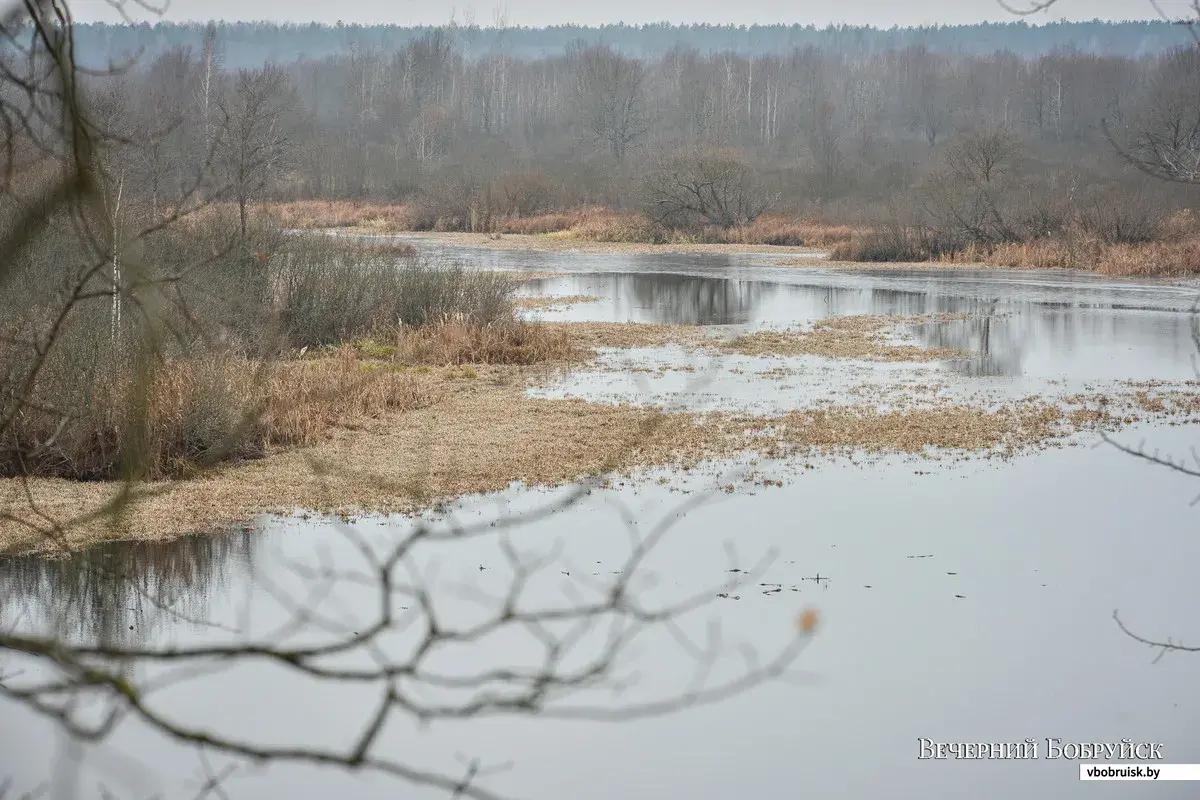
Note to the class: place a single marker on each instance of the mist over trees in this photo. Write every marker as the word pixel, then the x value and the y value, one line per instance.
pixel 253 44
pixel 466 133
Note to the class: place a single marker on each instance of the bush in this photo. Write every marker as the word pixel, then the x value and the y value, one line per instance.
pixel 701 186
pixel 895 242
pixel 1123 217
pixel 455 200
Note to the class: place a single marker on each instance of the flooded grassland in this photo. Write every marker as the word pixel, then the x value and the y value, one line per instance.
pixel 918 453
pixel 486 427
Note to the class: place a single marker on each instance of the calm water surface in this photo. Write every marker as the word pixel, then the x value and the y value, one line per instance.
pixel 1000 631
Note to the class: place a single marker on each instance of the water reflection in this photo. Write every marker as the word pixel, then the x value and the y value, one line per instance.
pixel 670 299
pixel 123 592
pixel 1012 336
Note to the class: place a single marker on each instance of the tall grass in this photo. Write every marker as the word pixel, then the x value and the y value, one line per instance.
pixel 593 224
pixel 198 411
pixel 379 217
pixel 330 289
pixel 454 341
pixel 1075 248
pixel 1108 238
pixel 192 374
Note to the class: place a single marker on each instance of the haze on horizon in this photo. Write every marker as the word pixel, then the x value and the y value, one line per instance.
pixel 539 13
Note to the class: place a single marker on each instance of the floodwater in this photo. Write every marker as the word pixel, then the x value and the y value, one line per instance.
pixel 961 601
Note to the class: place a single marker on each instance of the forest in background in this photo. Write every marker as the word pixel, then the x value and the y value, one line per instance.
pixel 250 44
pixel 848 135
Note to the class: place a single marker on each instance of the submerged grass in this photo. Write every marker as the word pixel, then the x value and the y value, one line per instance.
pixel 624 335
pixel 856 337
pixel 541 303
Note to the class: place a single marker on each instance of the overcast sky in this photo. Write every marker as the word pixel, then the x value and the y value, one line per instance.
pixel 882 13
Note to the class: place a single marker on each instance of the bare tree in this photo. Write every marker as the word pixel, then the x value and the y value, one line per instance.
pixel 429 132
pixel 983 156
pixel 255 138
pixel 1162 136
pixel 610 99
pixel 704 186
pixel 969 198
pixel 211 57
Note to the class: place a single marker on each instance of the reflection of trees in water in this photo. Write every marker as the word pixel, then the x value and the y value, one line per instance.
pixel 690 300
pixel 117 592
pixel 906 303
pixel 996 350
pixel 1001 343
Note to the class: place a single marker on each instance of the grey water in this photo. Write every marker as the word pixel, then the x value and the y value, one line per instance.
pixel 964 601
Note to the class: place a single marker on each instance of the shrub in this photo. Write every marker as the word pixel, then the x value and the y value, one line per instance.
pixel 895 242
pixel 703 186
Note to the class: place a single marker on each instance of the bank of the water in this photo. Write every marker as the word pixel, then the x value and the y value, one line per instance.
pixel 488 432
pixel 492 426
pixel 566 243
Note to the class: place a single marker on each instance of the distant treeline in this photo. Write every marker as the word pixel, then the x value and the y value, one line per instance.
pixel 253 44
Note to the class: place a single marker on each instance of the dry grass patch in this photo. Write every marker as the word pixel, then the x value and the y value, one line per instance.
pixel 546 303
pixel 380 217
pixel 531 275
pixel 783 231
pixel 604 225
pixel 624 335
pixel 596 224
pixel 1174 256
pixel 856 337
pixel 1147 259
pixel 197 411
pixel 539 224
pixel 511 342
pixel 947 427
pixel 565 241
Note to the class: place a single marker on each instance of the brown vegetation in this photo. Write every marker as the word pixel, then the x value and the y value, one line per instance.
pixel 857 337
pixel 621 335
pixel 381 217
pixel 554 302
pixel 415 414
pixel 206 409
pixel 451 341
pixel 1172 257
pixel 596 224
pixel 486 433
pixel 221 407
pixel 191 373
